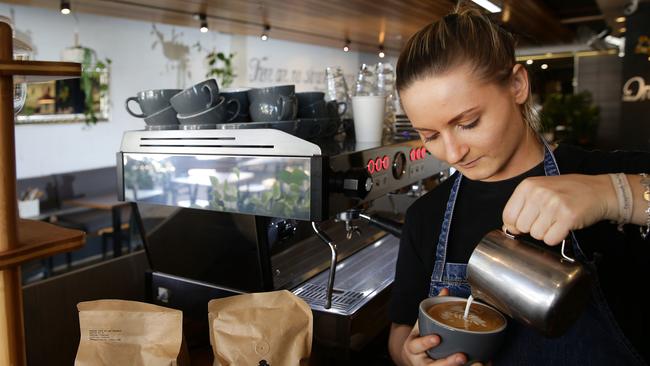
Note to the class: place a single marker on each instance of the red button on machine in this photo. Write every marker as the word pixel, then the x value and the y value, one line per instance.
pixel 384 162
pixel 378 166
pixel 371 166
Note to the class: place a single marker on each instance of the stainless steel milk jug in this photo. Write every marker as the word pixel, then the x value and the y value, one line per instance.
pixel 531 284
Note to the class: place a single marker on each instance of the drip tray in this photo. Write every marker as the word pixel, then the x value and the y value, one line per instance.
pixel 342 301
pixel 359 278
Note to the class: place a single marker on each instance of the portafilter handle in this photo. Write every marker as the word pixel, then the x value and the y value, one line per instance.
pixel 333 259
pixel 383 223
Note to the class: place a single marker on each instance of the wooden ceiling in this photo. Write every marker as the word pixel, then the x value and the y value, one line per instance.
pixel 366 23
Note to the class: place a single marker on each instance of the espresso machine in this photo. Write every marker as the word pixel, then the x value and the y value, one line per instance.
pixel 224 212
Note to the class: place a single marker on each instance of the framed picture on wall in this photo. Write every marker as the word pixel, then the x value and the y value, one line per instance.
pixel 66 101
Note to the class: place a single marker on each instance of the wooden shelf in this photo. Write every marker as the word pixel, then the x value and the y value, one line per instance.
pixel 22 240
pixel 38 240
pixel 39 71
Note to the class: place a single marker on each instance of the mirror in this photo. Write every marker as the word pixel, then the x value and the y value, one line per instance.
pixel 66 101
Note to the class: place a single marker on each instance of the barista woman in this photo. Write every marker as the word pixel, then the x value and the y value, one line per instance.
pixel 470 102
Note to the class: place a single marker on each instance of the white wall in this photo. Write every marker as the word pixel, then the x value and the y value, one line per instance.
pixel 140 62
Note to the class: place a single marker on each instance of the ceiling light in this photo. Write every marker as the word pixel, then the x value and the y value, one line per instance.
pixel 487 5
pixel 265 34
pixel 65 7
pixel 204 23
pixel 381 52
pixel 346 48
pixel 544 66
pixel 529 62
pixel 620 19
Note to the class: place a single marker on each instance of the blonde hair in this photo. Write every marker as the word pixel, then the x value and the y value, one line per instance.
pixel 465 36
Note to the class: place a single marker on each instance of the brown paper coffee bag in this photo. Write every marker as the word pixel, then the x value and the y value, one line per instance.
pixel 119 332
pixel 270 328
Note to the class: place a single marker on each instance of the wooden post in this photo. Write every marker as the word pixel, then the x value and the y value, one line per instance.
pixel 12 336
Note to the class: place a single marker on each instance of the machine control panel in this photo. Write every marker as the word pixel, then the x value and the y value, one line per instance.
pixel 391 167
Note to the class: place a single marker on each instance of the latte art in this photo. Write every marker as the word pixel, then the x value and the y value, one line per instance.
pixel 480 318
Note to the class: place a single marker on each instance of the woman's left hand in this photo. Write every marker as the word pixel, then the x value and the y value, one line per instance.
pixel 549 207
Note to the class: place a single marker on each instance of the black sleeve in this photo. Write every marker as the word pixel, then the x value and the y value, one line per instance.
pixel 411 278
pixel 602 162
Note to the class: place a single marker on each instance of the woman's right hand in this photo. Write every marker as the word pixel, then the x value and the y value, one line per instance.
pixel 415 347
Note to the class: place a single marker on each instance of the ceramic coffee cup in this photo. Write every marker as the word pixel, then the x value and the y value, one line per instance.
pixel 151 101
pixel 241 95
pixel 214 115
pixel 196 98
pixel 479 346
pixel 307 98
pixel 312 105
pixel 277 103
pixel 164 117
pixel 315 110
pixel 336 109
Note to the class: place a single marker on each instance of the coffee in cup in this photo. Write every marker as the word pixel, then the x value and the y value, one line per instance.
pixel 479 337
pixel 480 318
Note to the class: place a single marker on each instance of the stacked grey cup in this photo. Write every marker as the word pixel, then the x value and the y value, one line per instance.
pixel 202 107
pixel 154 105
pixel 273 104
pixel 197 107
pixel 318 118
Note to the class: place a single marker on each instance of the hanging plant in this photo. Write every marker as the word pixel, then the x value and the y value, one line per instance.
pixel 220 67
pixel 91 71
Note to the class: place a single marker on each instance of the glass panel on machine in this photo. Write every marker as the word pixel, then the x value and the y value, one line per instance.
pixel 258 185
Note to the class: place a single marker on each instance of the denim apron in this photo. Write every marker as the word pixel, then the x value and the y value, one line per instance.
pixel 594 339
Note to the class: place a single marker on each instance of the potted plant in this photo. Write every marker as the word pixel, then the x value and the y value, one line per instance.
pixel 572 117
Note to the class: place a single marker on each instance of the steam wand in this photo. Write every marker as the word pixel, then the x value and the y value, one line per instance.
pixel 330 282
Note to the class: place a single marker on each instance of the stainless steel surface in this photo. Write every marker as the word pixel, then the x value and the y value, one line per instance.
pixel 332 273
pixel 292 178
pixel 233 236
pixel 359 278
pixel 527 282
pixel 562 250
pixel 298 263
pixel 245 142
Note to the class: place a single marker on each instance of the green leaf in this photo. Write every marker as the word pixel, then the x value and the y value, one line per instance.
pixel 299 176
pixel 284 176
pixel 276 190
pixel 266 197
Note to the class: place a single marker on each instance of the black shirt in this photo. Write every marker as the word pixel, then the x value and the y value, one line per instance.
pixel 622 258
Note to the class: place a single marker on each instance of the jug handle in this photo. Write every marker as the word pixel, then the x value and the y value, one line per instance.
pixel 564 255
